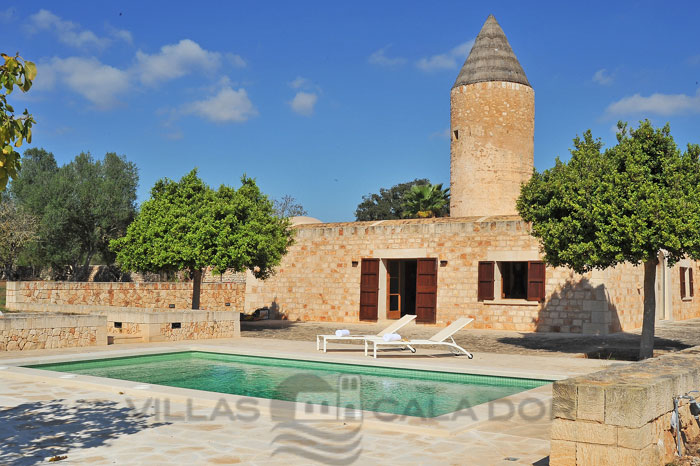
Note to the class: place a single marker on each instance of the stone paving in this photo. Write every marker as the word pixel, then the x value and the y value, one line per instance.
pixel 39 420
pixel 670 336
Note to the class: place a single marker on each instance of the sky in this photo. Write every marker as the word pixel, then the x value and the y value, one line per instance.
pixel 329 101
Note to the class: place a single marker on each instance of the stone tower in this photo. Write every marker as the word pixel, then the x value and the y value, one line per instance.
pixel 492 113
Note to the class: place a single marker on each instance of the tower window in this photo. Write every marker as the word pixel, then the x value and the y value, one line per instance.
pixel 456 133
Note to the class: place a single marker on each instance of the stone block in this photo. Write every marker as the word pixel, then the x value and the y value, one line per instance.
pixel 564 399
pixel 583 431
pixel 636 438
pixel 590 401
pixel 562 453
pixel 628 405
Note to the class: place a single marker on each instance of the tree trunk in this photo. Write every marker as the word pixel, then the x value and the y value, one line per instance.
pixel 196 287
pixel 646 347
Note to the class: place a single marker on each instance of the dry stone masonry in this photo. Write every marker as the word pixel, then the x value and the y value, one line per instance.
pixel 22 332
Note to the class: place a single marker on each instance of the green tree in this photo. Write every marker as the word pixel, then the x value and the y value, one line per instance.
pixel 424 201
pixel 13 129
pixel 624 204
pixel 388 204
pixel 18 229
pixel 188 226
pixel 81 206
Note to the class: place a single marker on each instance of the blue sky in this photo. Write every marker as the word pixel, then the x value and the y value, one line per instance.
pixel 329 101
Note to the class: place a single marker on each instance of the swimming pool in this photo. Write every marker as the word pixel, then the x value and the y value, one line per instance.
pixel 386 390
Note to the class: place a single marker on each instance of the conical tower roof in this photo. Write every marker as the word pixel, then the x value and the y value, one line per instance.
pixel 491 58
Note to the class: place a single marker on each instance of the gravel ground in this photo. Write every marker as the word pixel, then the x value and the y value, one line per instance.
pixel 670 336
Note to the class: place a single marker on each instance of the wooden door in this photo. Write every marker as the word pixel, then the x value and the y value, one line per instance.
pixel 426 290
pixel 393 287
pixel 369 289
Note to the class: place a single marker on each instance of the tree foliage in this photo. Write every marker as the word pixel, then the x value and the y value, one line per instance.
pixel 18 229
pixel 624 204
pixel 13 129
pixel 81 206
pixel 288 207
pixel 388 204
pixel 424 201
pixel 186 225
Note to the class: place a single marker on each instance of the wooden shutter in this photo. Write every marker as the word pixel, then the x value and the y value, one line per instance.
pixel 535 281
pixel 485 287
pixel 682 282
pixel 369 289
pixel 426 290
pixel 690 281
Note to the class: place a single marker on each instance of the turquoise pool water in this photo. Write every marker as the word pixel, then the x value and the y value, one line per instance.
pixel 386 390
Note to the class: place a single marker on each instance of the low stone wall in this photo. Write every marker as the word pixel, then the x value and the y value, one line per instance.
pixel 215 296
pixel 148 325
pixel 30 331
pixel 622 415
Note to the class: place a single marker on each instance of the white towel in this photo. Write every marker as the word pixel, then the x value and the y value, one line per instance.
pixel 391 337
pixel 342 333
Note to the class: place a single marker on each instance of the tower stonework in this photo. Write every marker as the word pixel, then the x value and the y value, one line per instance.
pixel 492 115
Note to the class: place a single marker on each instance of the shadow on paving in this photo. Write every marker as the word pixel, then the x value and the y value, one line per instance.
pixel 262 325
pixel 618 346
pixel 32 433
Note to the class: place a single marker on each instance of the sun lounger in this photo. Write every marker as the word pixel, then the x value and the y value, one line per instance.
pixel 390 329
pixel 439 339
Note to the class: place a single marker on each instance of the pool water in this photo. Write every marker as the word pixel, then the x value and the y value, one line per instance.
pixel 386 390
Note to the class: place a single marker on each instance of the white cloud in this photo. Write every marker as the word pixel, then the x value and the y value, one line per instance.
pixel 659 104
pixel 236 60
pixel 300 82
pixel 380 58
pixel 174 61
pixel 602 77
pixel 68 32
pixel 227 106
pixel 446 61
pixel 120 34
pixel 99 83
pixel 303 103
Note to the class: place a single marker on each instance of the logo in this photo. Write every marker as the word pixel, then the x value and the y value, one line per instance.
pixel 324 424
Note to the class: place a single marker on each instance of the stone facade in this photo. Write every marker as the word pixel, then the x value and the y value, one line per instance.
pixel 319 279
pixel 214 296
pixel 492 148
pixel 623 415
pixel 22 332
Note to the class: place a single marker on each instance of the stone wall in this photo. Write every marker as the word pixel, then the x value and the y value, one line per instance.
pixel 20 332
pixel 214 296
pixel 493 149
pixel 148 325
pixel 319 279
pixel 622 415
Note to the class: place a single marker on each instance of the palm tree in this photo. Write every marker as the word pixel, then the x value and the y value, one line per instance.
pixel 424 201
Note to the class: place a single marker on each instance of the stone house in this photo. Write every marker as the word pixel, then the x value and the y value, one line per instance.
pixel 481 262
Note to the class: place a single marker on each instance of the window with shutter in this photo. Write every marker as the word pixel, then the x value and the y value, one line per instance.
pixel 683 269
pixel 535 281
pixel 485 286
pixel 690 282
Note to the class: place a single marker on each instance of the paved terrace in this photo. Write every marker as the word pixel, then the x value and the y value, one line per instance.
pixel 670 336
pixel 92 424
